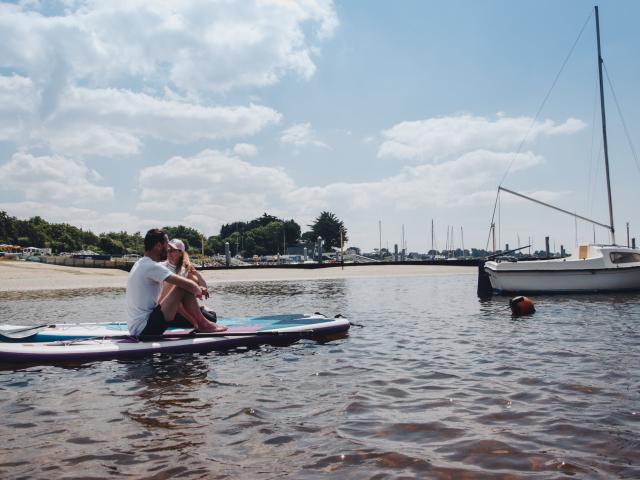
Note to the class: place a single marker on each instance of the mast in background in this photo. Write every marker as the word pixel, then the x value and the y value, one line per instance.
pixel 432 235
pixel 604 130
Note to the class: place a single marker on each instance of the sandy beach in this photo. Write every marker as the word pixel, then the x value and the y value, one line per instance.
pixel 18 276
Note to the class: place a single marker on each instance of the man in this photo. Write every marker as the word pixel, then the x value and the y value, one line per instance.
pixel 145 315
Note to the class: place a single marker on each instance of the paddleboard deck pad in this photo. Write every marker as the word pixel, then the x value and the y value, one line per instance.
pixel 95 341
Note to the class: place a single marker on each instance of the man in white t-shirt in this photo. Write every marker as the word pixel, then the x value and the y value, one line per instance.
pixel 145 315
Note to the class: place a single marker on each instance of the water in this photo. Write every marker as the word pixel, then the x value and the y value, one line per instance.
pixel 437 384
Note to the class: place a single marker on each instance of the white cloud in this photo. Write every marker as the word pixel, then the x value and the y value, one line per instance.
pixel 68 138
pixel 452 183
pixel 111 122
pixel 52 178
pixel 435 139
pixel 192 46
pixel 245 150
pixel 211 188
pixel 17 104
pixel 301 135
pixel 215 187
pixel 96 78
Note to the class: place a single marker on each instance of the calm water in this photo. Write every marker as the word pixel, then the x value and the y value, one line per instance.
pixel 435 385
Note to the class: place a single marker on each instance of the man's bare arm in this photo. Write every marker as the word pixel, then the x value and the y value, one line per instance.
pixel 196 277
pixel 184 283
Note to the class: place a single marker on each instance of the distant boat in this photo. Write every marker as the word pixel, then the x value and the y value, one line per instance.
pixel 593 268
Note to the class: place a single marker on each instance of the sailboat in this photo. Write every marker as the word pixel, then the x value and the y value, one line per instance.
pixel 591 268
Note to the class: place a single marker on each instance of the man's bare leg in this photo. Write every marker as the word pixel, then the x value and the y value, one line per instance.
pixel 170 302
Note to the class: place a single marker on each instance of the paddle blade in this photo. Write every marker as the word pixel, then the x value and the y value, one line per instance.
pixel 21 333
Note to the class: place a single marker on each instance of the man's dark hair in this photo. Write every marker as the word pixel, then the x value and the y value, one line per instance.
pixel 153 236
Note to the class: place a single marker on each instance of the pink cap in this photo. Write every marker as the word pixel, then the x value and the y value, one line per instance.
pixel 177 244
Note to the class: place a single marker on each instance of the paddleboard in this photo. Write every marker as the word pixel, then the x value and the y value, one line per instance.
pixel 73 331
pixel 88 342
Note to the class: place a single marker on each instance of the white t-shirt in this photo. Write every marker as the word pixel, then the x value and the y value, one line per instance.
pixel 144 285
pixel 172 268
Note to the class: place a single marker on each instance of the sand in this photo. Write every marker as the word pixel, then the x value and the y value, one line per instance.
pixel 17 276
pixel 24 276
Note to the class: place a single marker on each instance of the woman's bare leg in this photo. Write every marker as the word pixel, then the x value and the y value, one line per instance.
pixel 185 302
pixel 194 315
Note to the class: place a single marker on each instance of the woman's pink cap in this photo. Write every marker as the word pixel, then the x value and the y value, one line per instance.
pixel 177 244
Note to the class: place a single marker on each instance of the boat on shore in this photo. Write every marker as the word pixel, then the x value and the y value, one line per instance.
pixel 593 268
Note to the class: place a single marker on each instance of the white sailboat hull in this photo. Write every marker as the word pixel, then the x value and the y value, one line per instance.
pixel 595 268
pixel 567 281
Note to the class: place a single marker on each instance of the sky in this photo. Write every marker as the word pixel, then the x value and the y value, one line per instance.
pixel 129 115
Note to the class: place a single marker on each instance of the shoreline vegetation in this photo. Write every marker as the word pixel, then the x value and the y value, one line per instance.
pixel 265 235
pixel 16 276
pixel 261 239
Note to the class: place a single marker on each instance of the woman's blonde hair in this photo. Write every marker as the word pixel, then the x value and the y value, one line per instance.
pixel 185 262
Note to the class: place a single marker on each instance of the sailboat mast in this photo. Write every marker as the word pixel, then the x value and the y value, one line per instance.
pixel 604 130
pixel 432 234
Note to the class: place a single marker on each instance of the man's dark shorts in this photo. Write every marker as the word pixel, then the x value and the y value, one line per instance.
pixel 156 324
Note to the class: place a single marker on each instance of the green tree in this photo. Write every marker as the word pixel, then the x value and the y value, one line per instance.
pixel 327 226
pixel 134 243
pixel 213 245
pixel 110 245
pixel 261 236
pixel 23 241
pixel 36 229
pixel 266 240
pixel 242 227
pixel 6 227
pixel 266 234
pixel 291 232
pixel 248 245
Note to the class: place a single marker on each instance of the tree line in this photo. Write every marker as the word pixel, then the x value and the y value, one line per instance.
pixel 265 235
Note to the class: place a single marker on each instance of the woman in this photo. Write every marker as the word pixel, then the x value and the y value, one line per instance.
pixel 178 262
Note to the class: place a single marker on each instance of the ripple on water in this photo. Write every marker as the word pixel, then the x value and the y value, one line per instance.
pixel 436 385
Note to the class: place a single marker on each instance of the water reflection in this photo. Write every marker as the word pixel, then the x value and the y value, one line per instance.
pixel 166 387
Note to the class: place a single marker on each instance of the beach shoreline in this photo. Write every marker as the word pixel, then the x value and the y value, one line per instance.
pixel 16 276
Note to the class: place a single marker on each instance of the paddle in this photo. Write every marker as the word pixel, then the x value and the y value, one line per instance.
pixel 22 333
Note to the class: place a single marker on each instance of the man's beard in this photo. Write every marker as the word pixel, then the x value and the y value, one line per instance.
pixel 163 256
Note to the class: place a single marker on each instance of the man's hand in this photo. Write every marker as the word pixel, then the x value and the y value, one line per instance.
pixel 202 292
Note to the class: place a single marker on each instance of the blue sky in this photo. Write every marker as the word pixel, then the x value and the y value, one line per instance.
pixel 129 115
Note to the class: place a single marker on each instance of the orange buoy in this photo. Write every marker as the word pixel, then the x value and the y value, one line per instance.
pixel 521 306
